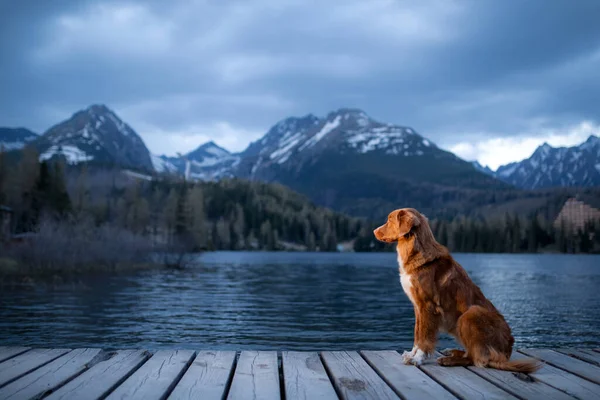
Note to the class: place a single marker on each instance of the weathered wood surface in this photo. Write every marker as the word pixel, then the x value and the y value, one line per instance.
pixel 578 367
pixel 464 383
pixel 185 374
pixel 10 352
pixel 354 378
pixel 156 378
pixel 207 378
pixel 590 356
pixel 305 377
pixel 565 381
pixel 410 383
pixel 256 376
pixel 13 368
pixel 103 377
pixel 50 376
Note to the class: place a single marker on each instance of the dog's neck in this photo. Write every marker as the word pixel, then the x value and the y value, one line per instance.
pixel 413 253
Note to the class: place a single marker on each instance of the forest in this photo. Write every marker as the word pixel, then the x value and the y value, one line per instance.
pixel 89 205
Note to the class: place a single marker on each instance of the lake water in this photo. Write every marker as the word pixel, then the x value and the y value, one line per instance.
pixel 298 301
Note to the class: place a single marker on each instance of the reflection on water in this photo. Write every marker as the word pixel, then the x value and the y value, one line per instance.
pixel 298 301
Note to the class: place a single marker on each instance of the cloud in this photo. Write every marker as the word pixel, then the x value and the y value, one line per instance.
pixel 186 139
pixel 458 73
pixel 111 30
pixel 497 151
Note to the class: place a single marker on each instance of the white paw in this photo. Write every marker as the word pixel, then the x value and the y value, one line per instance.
pixel 408 355
pixel 417 359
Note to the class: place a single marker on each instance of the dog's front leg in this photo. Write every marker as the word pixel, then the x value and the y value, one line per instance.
pixel 426 329
pixel 407 356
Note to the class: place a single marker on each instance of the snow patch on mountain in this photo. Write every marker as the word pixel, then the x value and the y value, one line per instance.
pixel 15 138
pixel 552 167
pixel 162 164
pixel 73 154
pixel 328 127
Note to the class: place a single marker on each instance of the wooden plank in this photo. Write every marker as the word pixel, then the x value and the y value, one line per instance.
pixel 50 376
pixel 18 366
pixel 256 376
pixel 464 383
pixel 570 364
pixel 103 377
pixel 10 352
pixel 354 378
pixel 519 384
pixel 304 377
pixel 585 355
pixel 207 378
pixel 156 378
pixel 563 380
pixel 408 381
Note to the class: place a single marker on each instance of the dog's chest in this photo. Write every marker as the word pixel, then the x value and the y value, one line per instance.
pixel 405 281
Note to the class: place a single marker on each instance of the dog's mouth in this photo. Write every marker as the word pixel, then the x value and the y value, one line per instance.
pixel 382 238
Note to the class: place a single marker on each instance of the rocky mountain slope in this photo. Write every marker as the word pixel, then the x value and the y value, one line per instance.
pixel 15 138
pixel 556 167
pixel 351 162
pixel 208 162
pixel 95 134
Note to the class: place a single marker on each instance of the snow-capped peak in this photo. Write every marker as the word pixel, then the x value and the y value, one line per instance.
pixel 556 166
pixel 15 138
pixel 97 133
pixel 209 150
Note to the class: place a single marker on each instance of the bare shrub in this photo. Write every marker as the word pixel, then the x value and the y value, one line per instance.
pixel 80 246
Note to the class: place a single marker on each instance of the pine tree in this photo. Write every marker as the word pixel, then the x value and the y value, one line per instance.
pixel 239 227
pixel 194 216
pixel 169 215
pixel 223 233
pixel 532 234
pixel 58 196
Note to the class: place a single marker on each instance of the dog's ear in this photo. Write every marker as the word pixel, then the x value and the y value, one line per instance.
pixel 406 222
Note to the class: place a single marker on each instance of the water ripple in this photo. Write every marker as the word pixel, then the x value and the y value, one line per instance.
pixel 298 301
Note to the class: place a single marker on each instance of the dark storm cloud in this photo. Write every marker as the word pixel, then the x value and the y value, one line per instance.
pixel 181 72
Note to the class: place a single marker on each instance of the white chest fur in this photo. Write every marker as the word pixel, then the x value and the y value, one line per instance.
pixel 405 280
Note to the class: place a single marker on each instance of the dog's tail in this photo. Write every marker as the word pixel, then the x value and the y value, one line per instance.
pixel 527 365
pixel 500 361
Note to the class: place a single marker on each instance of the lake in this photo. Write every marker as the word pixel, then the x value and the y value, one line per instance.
pixel 298 301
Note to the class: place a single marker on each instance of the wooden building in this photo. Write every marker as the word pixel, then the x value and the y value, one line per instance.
pixel 575 215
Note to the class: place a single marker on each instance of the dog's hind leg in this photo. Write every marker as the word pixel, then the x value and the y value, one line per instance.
pixel 451 361
pixel 453 352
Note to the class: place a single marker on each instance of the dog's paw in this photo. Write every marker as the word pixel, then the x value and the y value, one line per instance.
pixel 416 358
pixel 408 355
pixel 444 361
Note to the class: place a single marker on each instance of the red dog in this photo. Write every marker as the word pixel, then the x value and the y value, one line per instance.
pixel 445 299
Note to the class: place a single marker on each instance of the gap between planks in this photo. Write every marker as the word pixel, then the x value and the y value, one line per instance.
pixel 329 371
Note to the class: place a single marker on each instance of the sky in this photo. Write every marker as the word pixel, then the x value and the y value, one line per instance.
pixel 489 80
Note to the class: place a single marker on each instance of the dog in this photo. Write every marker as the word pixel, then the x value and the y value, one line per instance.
pixel 445 299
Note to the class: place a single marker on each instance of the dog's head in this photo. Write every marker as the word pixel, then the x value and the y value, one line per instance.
pixel 400 223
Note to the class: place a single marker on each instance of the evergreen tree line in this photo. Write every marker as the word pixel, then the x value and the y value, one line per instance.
pixel 511 234
pixel 33 189
pixel 235 214
pixel 230 214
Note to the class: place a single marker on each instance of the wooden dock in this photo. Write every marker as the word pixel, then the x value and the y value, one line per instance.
pixel 89 373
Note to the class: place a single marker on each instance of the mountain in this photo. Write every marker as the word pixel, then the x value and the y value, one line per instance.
pixel 15 138
pixel 95 134
pixel 353 163
pixel 208 162
pixel 556 167
pixel 485 169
